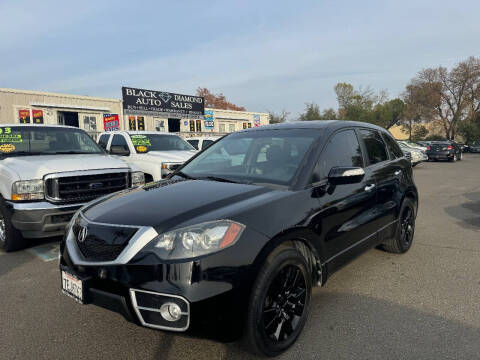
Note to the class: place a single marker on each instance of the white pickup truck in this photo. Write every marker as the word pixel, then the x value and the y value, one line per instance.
pixel 156 154
pixel 46 174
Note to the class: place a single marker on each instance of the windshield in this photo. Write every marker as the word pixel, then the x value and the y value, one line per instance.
pixel 45 140
pixel 158 142
pixel 268 157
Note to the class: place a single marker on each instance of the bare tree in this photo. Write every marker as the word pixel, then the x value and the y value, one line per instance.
pixel 278 118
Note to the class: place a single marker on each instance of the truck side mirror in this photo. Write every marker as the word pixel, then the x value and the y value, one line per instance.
pixel 119 150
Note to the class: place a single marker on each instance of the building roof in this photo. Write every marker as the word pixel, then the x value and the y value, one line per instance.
pixel 43 93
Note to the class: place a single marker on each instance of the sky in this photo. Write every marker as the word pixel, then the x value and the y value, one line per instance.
pixel 264 55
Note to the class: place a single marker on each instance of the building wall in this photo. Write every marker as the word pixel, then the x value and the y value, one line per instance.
pixel 88 108
pixel 11 101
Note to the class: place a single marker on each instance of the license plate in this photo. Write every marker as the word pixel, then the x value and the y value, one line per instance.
pixel 72 286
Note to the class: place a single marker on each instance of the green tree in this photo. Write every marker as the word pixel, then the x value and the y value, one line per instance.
pixel 469 131
pixel 419 133
pixel 278 118
pixel 389 113
pixel 312 112
pixel 328 114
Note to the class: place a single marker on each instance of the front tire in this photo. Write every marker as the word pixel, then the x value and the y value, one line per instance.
pixel 10 238
pixel 402 241
pixel 279 303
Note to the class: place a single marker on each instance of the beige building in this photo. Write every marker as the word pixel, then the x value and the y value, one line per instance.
pixel 86 112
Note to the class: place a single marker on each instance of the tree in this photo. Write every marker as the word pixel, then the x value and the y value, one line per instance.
pixel 217 101
pixel 469 130
pixel 328 114
pixel 419 133
pixel 312 112
pixel 278 118
pixel 453 95
pixel 389 113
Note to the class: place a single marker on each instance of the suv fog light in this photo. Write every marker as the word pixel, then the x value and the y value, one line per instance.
pixel 171 311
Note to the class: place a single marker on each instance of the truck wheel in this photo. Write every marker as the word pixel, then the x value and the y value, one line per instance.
pixel 10 238
pixel 279 303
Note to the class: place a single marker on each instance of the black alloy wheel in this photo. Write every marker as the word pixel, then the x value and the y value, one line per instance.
pixel 403 238
pixel 279 303
pixel 284 304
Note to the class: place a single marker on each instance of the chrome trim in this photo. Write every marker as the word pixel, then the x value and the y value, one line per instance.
pixel 142 237
pixel 43 205
pixel 140 317
pixel 81 173
pixel 109 224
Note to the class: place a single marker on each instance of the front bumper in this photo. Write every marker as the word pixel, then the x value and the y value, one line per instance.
pixel 212 291
pixel 41 219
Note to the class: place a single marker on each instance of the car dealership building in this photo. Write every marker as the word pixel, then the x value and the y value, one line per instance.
pixel 96 115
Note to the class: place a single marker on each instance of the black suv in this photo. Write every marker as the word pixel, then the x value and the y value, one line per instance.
pixel 236 238
pixel 444 150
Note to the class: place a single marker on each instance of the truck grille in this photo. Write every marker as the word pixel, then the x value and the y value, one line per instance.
pixel 84 188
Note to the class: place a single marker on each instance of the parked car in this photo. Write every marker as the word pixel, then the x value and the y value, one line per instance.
pixel 202 142
pixel 464 147
pixel 444 150
pixel 412 145
pixel 416 156
pixel 475 147
pixel 240 245
pixel 156 154
pixel 47 173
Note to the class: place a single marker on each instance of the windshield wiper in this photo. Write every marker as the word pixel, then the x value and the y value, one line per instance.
pixel 218 178
pixel 69 152
pixel 182 174
pixel 23 153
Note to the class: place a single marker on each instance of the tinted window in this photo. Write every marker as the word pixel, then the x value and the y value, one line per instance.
pixel 206 143
pixel 119 140
pixel 103 141
pixel 194 143
pixel 342 149
pixel 392 146
pixel 376 151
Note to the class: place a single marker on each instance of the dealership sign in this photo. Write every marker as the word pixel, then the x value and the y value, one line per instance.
pixel 111 122
pixel 161 103
pixel 209 122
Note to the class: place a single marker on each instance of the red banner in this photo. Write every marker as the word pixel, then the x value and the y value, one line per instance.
pixel 37 116
pixel 24 116
pixel 111 122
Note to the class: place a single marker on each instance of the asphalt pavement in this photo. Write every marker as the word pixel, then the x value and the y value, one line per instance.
pixel 424 304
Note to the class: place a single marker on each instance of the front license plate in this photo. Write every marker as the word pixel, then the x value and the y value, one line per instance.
pixel 72 286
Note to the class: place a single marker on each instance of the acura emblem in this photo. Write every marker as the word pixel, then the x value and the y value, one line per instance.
pixel 82 234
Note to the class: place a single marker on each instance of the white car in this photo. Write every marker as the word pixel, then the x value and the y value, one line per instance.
pixel 413 145
pixel 202 142
pixel 417 156
pixel 46 174
pixel 157 154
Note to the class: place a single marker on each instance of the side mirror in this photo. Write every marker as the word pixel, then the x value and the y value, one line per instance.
pixel 345 175
pixel 119 150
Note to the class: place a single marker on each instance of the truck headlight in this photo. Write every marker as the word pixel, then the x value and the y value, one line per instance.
pixel 196 240
pixel 138 178
pixel 27 190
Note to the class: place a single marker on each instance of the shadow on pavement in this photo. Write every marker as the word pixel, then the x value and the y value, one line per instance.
pixel 468 212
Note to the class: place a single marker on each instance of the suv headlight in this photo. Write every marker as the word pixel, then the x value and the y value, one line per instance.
pixel 27 190
pixel 193 241
pixel 138 178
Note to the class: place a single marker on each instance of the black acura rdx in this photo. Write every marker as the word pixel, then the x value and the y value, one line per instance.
pixel 236 238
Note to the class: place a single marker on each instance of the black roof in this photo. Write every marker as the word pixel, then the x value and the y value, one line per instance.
pixel 315 124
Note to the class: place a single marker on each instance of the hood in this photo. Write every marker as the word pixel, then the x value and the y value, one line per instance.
pixel 36 167
pixel 167 204
pixel 179 156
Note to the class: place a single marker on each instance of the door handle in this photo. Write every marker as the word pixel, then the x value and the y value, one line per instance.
pixel 369 187
pixel 398 172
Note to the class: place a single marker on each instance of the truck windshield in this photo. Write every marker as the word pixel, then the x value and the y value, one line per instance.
pixel 45 140
pixel 157 142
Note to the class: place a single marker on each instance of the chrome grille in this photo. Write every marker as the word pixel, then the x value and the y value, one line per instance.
pixel 84 187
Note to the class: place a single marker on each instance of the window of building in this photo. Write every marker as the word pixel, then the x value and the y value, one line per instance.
pixel 221 127
pixel 376 150
pixel 231 127
pixel 90 123
pixel 244 125
pixel 249 125
pixel 192 125
pixel 159 125
pixel 199 125
pixel 342 149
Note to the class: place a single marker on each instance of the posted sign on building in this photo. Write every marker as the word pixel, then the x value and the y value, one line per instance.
pixel 161 103
pixel 111 122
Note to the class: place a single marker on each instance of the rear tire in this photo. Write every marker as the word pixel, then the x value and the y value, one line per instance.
pixel 402 241
pixel 279 303
pixel 10 238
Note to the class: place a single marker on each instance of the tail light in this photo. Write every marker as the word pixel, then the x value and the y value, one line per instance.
pixel 428 147
pixel 449 147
